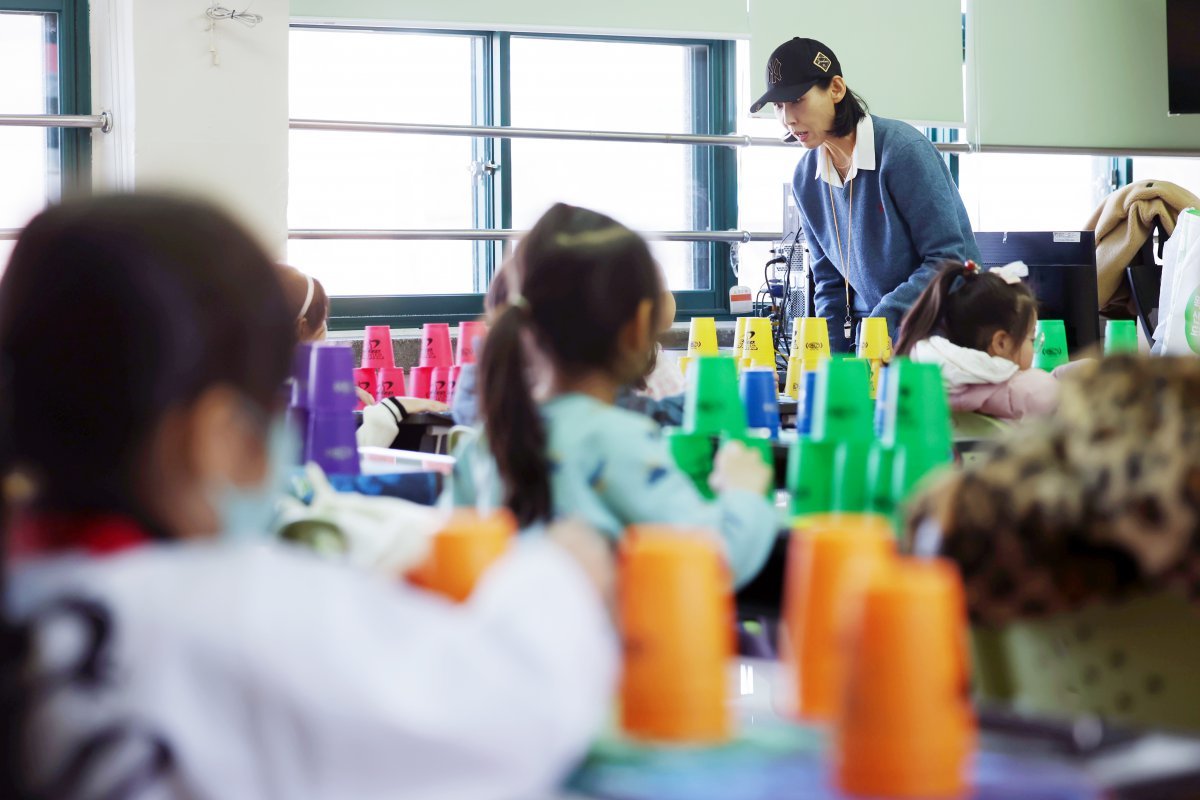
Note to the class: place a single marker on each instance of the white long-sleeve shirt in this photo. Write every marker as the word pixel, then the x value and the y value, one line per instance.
pixel 270 674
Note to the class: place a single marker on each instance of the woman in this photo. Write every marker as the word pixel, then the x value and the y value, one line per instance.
pixel 879 209
pixel 142 648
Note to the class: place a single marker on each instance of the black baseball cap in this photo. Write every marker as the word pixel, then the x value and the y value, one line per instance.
pixel 794 68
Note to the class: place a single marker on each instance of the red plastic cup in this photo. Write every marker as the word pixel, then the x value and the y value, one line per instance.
pixel 469 336
pixel 435 345
pixel 391 383
pixel 454 375
pixel 377 348
pixel 439 387
pixel 366 379
pixel 420 380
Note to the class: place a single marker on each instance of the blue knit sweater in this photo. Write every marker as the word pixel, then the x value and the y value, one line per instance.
pixel 908 218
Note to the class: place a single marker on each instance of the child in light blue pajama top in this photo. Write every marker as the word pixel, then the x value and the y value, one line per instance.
pixel 611 468
pixel 584 304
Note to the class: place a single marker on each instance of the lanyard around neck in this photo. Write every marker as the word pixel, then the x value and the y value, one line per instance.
pixel 848 328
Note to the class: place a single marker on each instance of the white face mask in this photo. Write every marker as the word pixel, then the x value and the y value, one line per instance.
pixel 251 514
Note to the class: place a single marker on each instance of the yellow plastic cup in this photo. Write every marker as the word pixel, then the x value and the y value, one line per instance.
pixel 739 339
pixel 795 374
pixel 684 362
pixel 874 341
pixel 759 348
pixel 810 338
pixel 702 337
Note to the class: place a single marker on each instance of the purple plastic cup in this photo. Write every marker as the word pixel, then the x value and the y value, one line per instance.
pixel 331 379
pixel 301 363
pixel 331 442
pixel 435 345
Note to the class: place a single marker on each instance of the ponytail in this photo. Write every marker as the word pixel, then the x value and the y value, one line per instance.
pixel 924 318
pixel 515 433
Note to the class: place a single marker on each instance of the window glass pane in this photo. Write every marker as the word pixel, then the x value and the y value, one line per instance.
pixel 1183 172
pixel 367 180
pixel 764 180
pixel 601 85
pixel 1031 192
pixel 386 268
pixel 29 166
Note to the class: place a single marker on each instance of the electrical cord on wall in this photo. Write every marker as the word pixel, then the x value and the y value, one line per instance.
pixel 218 13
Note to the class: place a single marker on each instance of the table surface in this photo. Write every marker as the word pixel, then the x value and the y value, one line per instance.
pixel 771 758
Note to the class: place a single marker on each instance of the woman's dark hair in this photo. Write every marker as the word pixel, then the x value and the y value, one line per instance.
pixel 114 311
pixel 847 112
pixel 967 306
pixel 295 290
pixel 580 277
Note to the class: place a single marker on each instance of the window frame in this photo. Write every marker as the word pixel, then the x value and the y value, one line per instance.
pixel 713 93
pixel 75 87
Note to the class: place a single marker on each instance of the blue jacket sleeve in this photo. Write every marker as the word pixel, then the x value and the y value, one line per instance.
pixel 640 484
pixel 927 200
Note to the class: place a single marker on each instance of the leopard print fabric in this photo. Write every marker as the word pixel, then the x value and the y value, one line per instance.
pixel 1100 501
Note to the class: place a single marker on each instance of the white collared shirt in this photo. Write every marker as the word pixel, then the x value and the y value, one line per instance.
pixel 863 156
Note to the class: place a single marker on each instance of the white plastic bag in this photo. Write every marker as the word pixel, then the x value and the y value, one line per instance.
pixel 1178 331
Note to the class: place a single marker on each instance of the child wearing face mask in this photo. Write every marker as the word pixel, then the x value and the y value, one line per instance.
pixel 142 651
pixel 978 326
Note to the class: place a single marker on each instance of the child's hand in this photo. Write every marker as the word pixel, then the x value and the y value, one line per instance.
pixel 739 467
pixel 363 397
pixel 591 551
pixel 419 405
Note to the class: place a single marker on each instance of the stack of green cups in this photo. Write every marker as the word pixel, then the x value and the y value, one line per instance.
pixel 843 419
pixel 810 476
pixel 916 427
pixel 1120 336
pixel 1050 345
pixel 712 408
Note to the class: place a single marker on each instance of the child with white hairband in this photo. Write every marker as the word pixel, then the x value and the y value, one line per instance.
pixel 979 327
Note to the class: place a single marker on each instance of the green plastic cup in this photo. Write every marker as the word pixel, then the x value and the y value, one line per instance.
pixel 911 464
pixel 850 476
pixel 916 409
pixel 881 497
pixel 810 476
pixel 713 405
pixel 693 454
pixel 766 449
pixel 1120 336
pixel 843 410
pixel 1050 345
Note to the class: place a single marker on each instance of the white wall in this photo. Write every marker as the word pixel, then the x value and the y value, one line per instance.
pixel 185 124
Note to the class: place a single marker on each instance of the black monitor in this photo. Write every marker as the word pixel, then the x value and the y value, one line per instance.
pixel 1062 274
pixel 1183 56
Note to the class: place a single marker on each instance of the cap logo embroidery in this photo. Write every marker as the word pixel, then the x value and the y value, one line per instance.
pixel 775 72
pixel 822 62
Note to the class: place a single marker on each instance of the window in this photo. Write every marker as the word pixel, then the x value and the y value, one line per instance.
pixel 344 180
pixel 1183 172
pixel 1032 192
pixel 39 63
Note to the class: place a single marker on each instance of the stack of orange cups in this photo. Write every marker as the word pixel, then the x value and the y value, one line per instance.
pixel 463 550
pixel 905 728
pixel 676 611
pixel 831 560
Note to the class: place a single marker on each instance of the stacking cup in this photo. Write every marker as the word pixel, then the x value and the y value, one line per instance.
pixel 331 442
pixel 439 387
pixel 760 346
pixel 881 494
pixel 792 383
pixel 368 380
pixel 391 383
pixel 297 410
pixel 739 338
pixel 807 401
pixel 455 373
pixel 684 362
pixel 850 475
pixel 810 476
pixel 676 613
pixel 760 396
pixel 842 409
pixel 463 550
pixel 1050 344
pixel 702 337
pixel 1120 336
pixel 435 345
pixel 905 727
pixel 693 454
pixel 470 334
pixel 377 348
pixel 874 341
pixel 331 379
pixel 810 338
pixel 829 564
pixel 916 409
pixel 421 382
pixel 712 405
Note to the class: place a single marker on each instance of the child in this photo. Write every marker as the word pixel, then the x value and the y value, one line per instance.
pixel 306 296
pixel 579 324
pixel 142 649
pixel 979 328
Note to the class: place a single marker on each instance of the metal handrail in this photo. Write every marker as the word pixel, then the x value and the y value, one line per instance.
pixel 103 121
pixel 500 235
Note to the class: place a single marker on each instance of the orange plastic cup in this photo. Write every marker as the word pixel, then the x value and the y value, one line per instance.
pixel 676 611
pixel 905 726
pixel 463 550
pixel 830 562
